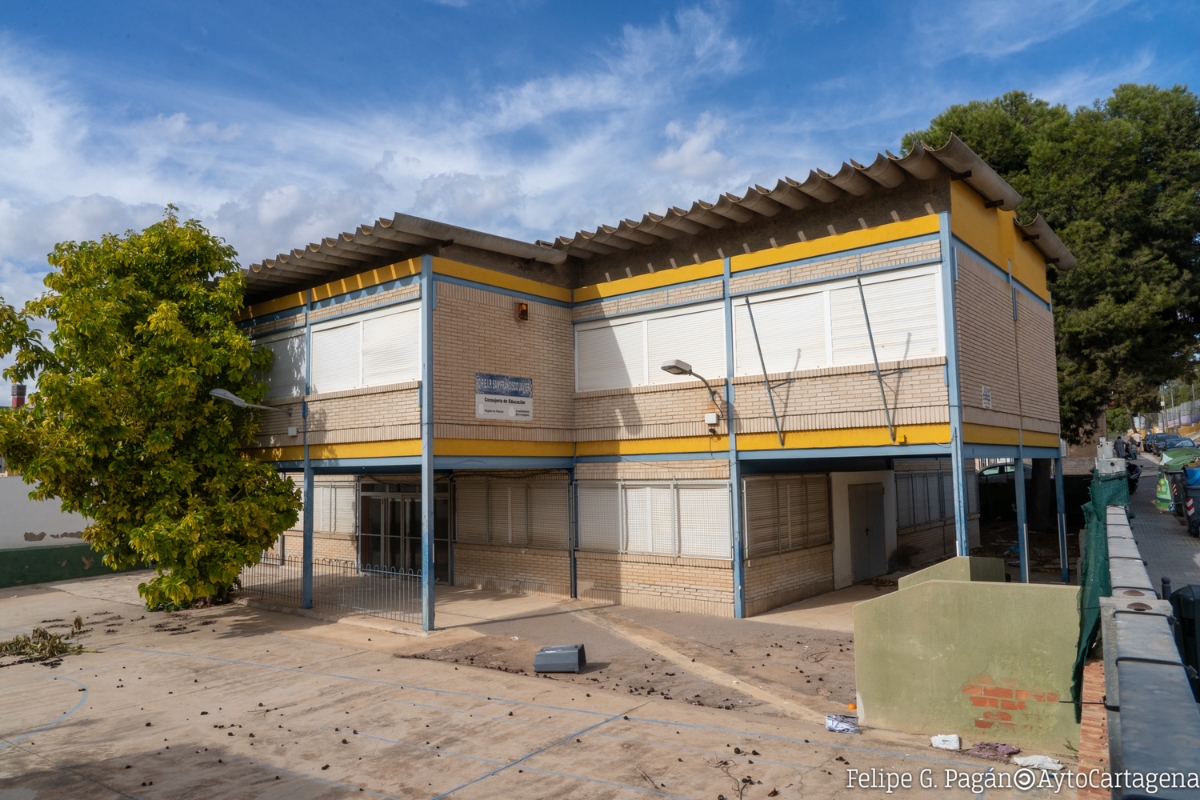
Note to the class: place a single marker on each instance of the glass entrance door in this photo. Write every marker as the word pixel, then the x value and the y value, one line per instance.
pixel 390 533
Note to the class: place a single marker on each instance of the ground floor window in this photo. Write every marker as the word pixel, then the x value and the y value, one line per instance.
pixel 527 512
pixel 660 518
pixel 785 512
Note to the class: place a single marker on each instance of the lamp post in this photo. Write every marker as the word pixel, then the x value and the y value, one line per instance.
pixel 677 367
pixel 307 571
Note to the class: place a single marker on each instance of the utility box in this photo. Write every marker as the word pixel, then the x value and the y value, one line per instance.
pixel 560 658
pixel 1185 604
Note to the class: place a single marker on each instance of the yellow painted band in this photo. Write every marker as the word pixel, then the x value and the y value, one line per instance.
pixel 501 280
pixel 846 437
pixel 493 447
pixel 893 231
pixel 975 433
pixel 651 280
pixel 843 437
pixel 993 233
pixel 271 306
pixel 365 280
pixel 399 447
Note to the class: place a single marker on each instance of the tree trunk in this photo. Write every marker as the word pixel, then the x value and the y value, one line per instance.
pixel 1042 499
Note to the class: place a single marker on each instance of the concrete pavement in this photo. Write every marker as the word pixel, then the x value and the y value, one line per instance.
pixel 238 702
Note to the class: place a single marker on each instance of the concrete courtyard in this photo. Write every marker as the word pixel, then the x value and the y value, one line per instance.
pixel 242 702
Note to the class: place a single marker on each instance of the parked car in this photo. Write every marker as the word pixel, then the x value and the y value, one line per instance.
pixel 1001 473
pixel 1172 441
pixel 1150 442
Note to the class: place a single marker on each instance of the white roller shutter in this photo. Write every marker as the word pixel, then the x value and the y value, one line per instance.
pixel 286 377
pixel 471 511
pixel 904 321
pixel 791 331
pixel 704 525
pixel 599 516
pixel 610 356
pixel 391 348
pixel 336 358
pixel 695 335
pixel 342 518
pixel 507 512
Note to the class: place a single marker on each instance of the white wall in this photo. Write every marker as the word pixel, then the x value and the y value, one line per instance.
pixel 33 523
pixel 843 571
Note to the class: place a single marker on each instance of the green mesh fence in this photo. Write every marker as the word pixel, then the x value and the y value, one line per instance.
pixel 1094 579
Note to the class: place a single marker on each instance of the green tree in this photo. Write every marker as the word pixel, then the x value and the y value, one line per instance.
pixel 122 429
pixel 1120 183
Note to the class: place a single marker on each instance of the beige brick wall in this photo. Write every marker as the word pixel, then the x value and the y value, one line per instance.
pixel 1039 372
pixel 987 349
pixel 694 585
pixel 520 570
pixel 375 414
pixel 836 266
pixel 340 546
pixel 669 296
pixel 410 292
pixel 263 328
pixel 777 580
pixel 654 470
pixel 647 412
pixel 477 331
pixel 845 397
pixel 822 399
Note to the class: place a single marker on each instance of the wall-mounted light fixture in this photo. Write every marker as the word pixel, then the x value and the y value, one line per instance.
pixel 677 367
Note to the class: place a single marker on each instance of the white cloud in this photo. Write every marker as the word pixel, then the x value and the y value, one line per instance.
pixel 993 29
pixel 693 154
pixel 1083 85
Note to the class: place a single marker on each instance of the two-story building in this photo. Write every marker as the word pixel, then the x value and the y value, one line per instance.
pixel 719 409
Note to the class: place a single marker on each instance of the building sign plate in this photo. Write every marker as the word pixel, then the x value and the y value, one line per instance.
pixel 503 397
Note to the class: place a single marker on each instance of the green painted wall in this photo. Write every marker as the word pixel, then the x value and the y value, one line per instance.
pixel 959 568
pixel 988 661
pixel 26 565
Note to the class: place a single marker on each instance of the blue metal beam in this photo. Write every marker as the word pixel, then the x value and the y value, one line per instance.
pixel 306 569
pixel 1062 519
pixel 1007 451
pixel 735 480
pixel 428 302
pixel 503 462
pixel 954 390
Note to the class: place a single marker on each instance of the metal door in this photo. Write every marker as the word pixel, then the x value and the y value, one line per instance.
pixel 868 545
pixel 372 531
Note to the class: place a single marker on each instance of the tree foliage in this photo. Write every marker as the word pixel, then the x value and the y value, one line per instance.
pixel 1120 183
pixel 122 429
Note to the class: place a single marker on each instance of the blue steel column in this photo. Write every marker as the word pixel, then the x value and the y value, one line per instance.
pixel 306 578
pixel 573 529
pixel 735 471
pixel 428 303
pixel 949 277
pixel 1062 519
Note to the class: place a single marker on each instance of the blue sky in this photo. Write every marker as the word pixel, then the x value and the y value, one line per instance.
pixel 279 123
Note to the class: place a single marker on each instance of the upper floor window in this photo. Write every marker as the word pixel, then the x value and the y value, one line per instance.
pixel 371 349
pixel 803 328
pixel 630 351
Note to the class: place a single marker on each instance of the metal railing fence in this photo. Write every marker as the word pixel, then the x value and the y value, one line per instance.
pixel 342 586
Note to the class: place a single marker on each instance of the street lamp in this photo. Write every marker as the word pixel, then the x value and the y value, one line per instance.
pixel 230 397
pixel 677 367
pixel 306 580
